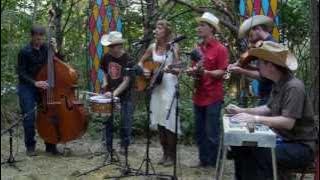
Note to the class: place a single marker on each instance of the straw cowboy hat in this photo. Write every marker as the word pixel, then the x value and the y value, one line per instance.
pixel 112 38
pixel 274 53
pixel 210 19
pixel 254 21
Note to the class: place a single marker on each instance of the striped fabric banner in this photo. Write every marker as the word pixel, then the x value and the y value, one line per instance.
pixel 104 17
pixel 269 8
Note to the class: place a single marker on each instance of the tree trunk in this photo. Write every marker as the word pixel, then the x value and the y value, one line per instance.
pixel 58 9
pixel 35 11
pixel 315 54
pixel 148 25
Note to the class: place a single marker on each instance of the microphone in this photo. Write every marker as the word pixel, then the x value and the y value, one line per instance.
pixel 143 41
pixel 195 55
pixel 136 69
pixel 177 39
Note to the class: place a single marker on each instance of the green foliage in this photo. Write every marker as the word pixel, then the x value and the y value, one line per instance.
pixel 296 24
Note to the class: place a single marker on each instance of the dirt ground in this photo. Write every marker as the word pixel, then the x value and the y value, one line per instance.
pixel 84 154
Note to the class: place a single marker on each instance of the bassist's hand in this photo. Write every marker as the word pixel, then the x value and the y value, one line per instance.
pixel 54 45
pixel 41 84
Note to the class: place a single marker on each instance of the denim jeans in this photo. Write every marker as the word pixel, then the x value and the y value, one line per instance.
pixel 208 132
pixel 253 163
pixel 28 97
pixel 125 125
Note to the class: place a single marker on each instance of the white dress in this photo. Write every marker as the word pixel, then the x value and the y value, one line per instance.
pixel 162 95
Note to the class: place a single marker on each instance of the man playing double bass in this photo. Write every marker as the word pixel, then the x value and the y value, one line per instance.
pixel 31 59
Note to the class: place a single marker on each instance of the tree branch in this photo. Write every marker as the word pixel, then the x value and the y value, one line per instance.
pixel 223 8
pixel 69 15
pixel 224 22
pixel 3 5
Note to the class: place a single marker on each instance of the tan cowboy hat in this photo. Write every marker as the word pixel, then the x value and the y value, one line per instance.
pixel 210 19
pixel 254 21
pixel 112 38
pixel 272 52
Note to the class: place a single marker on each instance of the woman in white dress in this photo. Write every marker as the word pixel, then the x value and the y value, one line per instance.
pixel 163 93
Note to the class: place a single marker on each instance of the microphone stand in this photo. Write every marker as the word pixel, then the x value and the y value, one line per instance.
pixel 175 97
pixel 11 160
pixel 147 160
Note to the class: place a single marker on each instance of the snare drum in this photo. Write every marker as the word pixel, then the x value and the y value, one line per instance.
pixel 101 105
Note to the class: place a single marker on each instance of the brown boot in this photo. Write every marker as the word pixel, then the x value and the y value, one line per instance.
pixel 171 149
pixel 164 144
pixel 168 162
pixel 164 154
pixel 163 159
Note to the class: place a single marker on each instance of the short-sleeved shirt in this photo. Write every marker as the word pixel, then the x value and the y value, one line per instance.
pixel 210 89
pixel 115 70
pixel 289 99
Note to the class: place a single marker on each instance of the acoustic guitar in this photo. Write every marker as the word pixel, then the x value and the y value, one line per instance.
pixel 156 69
pixel 142 81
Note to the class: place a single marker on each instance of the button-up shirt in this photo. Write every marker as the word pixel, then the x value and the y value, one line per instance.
pixel 289 99
pixel 30 61
pixel 210 89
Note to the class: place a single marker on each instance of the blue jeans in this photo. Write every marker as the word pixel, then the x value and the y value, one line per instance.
pixel 28 97
pixel 125 126
pixel 208 132
pixel 253 163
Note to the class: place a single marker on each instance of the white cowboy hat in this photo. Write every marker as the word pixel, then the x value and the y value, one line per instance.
pixel 272 52
pixel 210 19
pixel 254 21
pixel 112 38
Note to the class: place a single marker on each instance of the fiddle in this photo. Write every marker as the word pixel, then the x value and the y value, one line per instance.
pixel 245 58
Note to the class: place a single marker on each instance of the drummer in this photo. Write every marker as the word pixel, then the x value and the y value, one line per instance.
pixel 114 64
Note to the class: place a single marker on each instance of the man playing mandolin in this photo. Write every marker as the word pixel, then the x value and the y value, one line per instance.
pixel 208 96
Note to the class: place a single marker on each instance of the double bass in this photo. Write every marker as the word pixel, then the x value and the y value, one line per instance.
pixel 61 116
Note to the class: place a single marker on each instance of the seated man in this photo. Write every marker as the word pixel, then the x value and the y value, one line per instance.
pixel 288 113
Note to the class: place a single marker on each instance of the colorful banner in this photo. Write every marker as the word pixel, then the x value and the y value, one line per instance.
pixel 104 17
pixel 269 8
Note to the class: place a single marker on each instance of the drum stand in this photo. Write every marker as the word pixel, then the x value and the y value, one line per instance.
pixel 110 153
